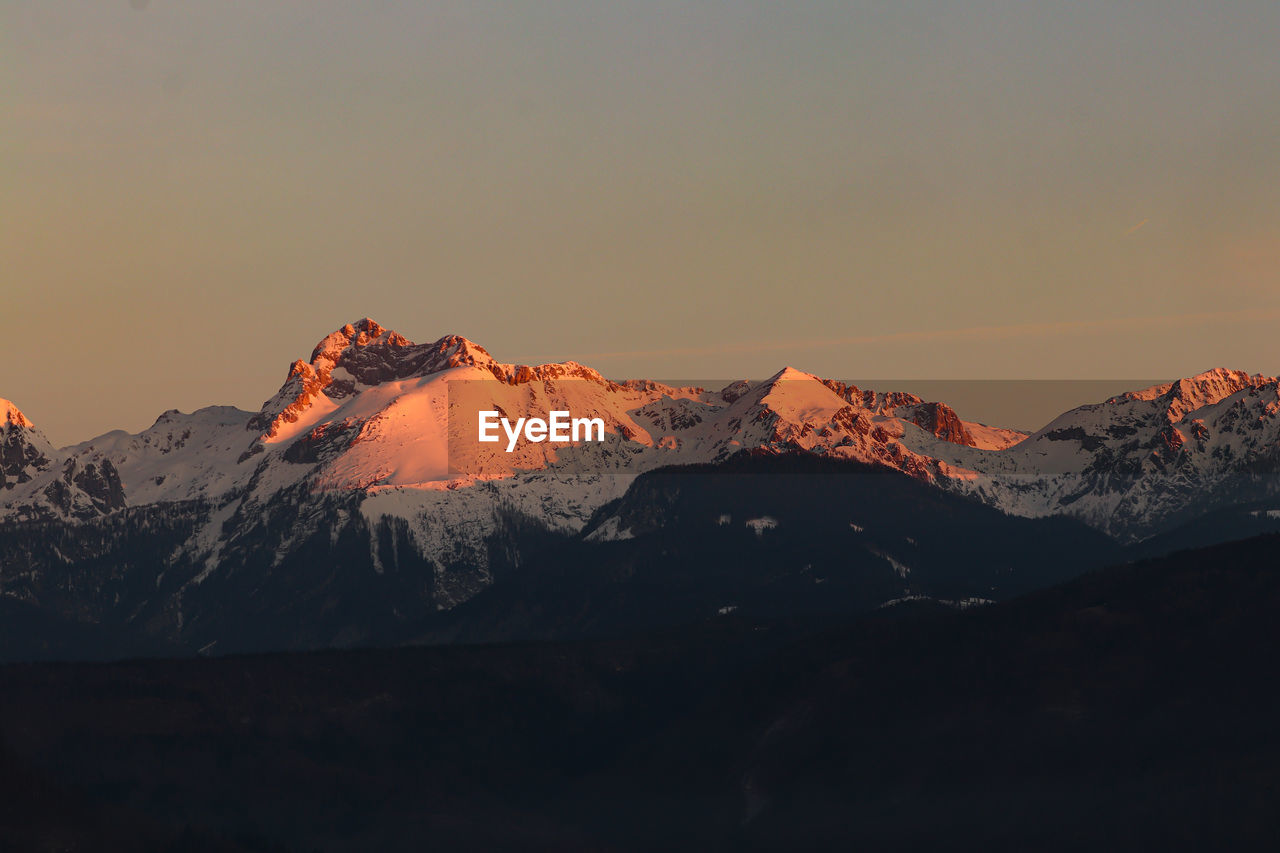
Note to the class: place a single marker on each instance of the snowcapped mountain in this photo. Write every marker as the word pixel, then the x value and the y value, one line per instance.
pixel 367 458
pixel 370 413
pixel 35 474
pixel 1141 462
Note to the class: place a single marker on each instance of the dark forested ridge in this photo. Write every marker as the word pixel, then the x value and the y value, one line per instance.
pixel 1129 708
pixel 766 536
pixel 772 537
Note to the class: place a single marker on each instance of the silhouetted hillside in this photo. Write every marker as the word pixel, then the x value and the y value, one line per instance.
pixel 1130 708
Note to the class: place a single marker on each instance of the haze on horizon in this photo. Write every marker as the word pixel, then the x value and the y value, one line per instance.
pixel 192 194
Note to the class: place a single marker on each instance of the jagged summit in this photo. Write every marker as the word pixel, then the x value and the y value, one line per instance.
pixel 347 342
pixel 359 334
pixel 365 354
pixel 1195 392
pixel 1219 382
pixel 365 344
pixel 11 414
pixel 372 353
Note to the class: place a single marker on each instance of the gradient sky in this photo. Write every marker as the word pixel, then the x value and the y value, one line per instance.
pixel 193 193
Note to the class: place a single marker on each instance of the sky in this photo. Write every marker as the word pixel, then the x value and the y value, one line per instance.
pixel 192 194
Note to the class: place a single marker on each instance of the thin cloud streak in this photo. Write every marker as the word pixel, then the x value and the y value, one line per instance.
pixel 1021 330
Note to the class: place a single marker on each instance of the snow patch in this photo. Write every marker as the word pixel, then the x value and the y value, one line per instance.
pixel 610 531
pixel 901 569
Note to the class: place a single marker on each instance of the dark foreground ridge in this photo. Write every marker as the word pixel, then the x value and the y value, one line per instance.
pixel 1131 708
pixel 834 539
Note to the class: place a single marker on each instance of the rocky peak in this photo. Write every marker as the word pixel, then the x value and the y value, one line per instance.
pixel 10 415
pixel 352 338
pixel 365 354
pixel 1208 388
pixel 941 420
pixel 24 451
pixel 457 350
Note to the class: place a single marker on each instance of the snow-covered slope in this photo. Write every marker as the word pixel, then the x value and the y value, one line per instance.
pixel 179 458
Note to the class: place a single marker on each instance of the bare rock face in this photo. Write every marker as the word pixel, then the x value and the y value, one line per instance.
pixel 323 443
pixel 731 392
pixel 942 421
pixel 87 491
pixel 938 419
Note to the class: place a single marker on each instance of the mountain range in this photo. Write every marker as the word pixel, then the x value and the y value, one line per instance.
pixel 354 505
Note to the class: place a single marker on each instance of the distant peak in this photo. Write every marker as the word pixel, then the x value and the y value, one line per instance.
pixel 11 414
pixel 1195 392
pixel 791 374
pixel 462 350
pixel 1226 376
